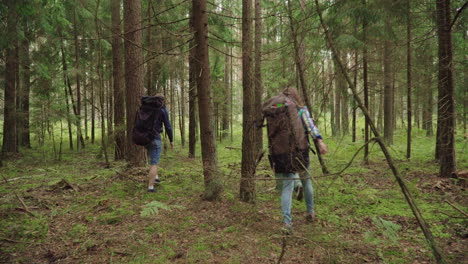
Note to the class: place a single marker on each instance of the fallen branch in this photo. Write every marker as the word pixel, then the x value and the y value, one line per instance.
pixel 456 208
pixel 283 250
pixel 25 207
pixel 232 147
pixel 17 178
pixel 452 216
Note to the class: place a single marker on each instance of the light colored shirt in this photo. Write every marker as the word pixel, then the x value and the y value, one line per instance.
pixel 308 123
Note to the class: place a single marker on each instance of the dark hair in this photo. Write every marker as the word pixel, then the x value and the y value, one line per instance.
pixel 292 93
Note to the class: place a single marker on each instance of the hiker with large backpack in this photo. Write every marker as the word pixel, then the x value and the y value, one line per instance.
pixel 149 121
pixel 289 124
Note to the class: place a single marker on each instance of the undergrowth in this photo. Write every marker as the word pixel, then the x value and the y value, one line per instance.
pixel 78 211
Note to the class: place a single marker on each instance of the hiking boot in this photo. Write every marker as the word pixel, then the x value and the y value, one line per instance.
pixel 300 193
pixel 310 217
pixel 157 181
pixel 287 228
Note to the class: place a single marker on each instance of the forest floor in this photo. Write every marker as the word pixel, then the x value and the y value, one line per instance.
pixel 77 211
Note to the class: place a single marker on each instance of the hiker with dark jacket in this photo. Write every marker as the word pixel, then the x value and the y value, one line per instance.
pixel 155 147
pixel 284 163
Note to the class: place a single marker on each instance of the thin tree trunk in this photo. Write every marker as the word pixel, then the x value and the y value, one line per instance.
pixel 25 138
pixel 336 131
pixel 182 107
pixel 117 74
pixel 149 61
pixel 65 83
pixel 100 72
pixel 231 94
pixel 247 184
pixel 192 96
pixel 9 124
pixel 93 112
pixel 226 99
pixel 366 85
pixel 257 81
pixel 446 104
pixel 213 185
pixel 77 108
pixel 133 75
pixel 388 91
pixel 355 74
pixel 344 103
pixel 408 78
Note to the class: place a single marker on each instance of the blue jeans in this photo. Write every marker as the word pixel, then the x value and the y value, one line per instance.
pixel 154 151
pixel 286 194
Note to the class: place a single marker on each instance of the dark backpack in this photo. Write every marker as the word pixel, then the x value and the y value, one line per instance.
pixel 288 145
pixel 144 126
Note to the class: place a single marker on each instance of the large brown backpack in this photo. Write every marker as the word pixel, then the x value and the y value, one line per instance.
pixel 288 145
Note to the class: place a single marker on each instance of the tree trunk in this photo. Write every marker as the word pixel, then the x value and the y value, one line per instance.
pixel 366 86
pixel 133 75
pixel 25 92
pixel 355 75
pixel 9 124
pixel 446 109
pixel 149 55
pixel 336 128
pixel 192 96
pixel 388 92
pixel 408 78
pixel 213 185
pixel 93 112
pixel 247 184
pixel 258 76
pixel 226 98
pixel 77 108
pixel 65 83
pixel 182 106
pixel 344 126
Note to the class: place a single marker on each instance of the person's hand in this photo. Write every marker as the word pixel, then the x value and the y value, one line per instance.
pixel 322 147
pixel 172 145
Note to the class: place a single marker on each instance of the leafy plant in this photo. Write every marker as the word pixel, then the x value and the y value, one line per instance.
pixel 153 207
pixel 388 228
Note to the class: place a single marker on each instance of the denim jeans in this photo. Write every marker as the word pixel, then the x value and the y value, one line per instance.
pixel 154 151
pixel 287 191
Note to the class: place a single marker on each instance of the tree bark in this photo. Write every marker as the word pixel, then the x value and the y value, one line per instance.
pixel 77 108
pixel 446 104
pixel 213 185
pixel 226 98
pixel 25 139
pixel 258 87
pixel 9 125
pixel 366 86
pixel 119 111
pixel 192 97
pixel 133 75
pixel 408 78
pixel 388 91
pixel 247 184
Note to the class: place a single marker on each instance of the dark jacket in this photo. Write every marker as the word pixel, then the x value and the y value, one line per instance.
pixel 167 125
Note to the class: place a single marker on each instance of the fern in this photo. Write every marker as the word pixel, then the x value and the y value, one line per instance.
pixel 388 228
pixel 152 208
